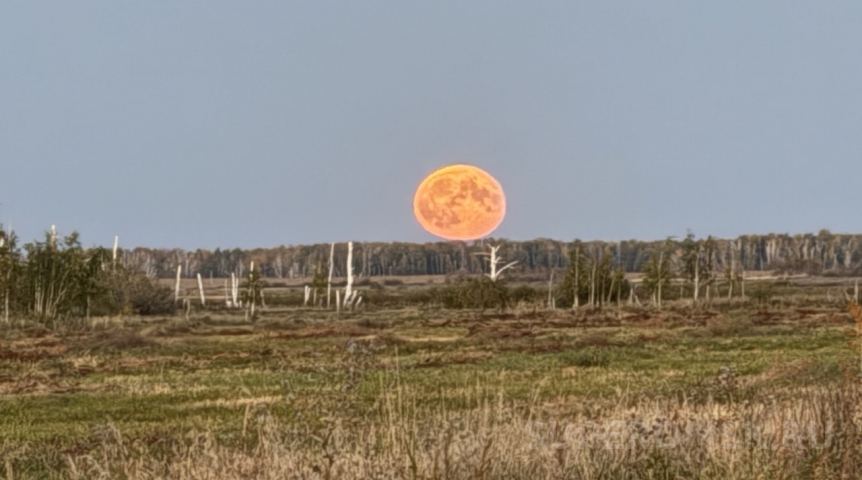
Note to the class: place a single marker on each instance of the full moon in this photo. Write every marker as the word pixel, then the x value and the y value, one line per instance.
pixel 459 202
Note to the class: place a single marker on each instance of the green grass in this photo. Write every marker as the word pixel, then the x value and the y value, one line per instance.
pixel 208 381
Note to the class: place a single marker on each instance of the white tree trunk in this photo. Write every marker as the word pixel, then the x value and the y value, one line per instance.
pixel 348 290
pixel 331 265
pixel 251 290
pixel 494 261
pixel 234 290
pixel 116 244
pixel 177 286
pixel 660 279
pixel 201 290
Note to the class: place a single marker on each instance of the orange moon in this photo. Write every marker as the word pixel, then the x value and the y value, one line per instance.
pixel 459 202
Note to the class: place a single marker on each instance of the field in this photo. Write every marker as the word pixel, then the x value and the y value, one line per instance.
pixel 765 387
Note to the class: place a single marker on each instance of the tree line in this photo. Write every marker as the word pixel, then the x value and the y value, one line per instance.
pixel 57 278
pixel 820 253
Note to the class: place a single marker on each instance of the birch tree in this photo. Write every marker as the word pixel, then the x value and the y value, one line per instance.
pixel 697 264
pixel 10 258
pixel 591 279
pixel 331 266
pixel 658 272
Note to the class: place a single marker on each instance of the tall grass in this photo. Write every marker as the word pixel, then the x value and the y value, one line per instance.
pixel 716 431
pixel 810 433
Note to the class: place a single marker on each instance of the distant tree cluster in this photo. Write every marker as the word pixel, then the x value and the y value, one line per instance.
pixel 592 278
pixel 57 279
pixel 821 253
pixel 695 263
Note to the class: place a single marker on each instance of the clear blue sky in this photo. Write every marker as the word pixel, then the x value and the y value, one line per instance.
pixel 204 124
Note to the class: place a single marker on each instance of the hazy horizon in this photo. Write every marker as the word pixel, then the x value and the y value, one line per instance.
pixel 217 124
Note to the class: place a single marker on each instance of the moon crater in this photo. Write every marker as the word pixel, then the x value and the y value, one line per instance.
pixel 459 202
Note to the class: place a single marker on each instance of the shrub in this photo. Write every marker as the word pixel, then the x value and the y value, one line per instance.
pixel 129 292
pixel 526 294
pixel 480 293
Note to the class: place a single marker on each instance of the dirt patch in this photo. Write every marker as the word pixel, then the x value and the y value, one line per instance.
pixel 25 351
pixel 506 331
pixel 637 317
pixel 116 340
pixel 430 338
pixel 227 331
pixel 40 383
pixel 348 330
pixel 443 324
pixel 525 316
pixel 766 317
pixel 173 330
pixel 464 358
pixel 554 347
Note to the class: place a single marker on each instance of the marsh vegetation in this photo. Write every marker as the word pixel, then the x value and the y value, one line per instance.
pixel 433 378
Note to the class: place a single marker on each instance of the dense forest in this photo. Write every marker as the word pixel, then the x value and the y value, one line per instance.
pixel 821 253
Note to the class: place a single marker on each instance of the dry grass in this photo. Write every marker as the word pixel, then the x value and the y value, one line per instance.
pixel 637 393
pixel 809 434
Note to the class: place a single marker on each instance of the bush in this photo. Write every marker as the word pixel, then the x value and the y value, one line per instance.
pixel 761 294
pixel 130 292
pixel 480 293
pixel 526 294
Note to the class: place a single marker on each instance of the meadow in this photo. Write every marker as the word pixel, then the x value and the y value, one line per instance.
pixel 762 387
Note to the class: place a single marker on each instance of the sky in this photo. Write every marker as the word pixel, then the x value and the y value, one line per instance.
pixel 256 124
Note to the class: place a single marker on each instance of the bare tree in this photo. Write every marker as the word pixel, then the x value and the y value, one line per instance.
pixel 494 261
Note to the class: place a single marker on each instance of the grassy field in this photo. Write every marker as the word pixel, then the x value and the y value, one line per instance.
pixel 734 389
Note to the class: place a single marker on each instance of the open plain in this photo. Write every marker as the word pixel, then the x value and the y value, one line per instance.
pixel 402 388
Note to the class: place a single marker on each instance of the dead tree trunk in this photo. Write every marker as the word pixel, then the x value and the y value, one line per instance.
pixel 660 279
pixel 348 290
pixel 201 290
pixel 331 265
pixel 116 244
pixel 177 286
